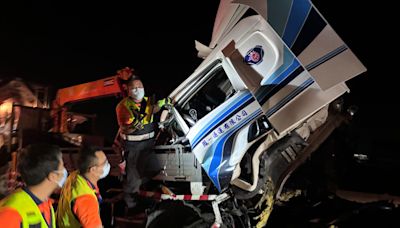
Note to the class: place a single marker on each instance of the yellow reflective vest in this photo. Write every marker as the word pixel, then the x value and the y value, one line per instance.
pixel 135 114
pixel 27 209
pixel 75 186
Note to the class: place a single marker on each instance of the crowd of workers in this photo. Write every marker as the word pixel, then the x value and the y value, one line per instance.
pixel 42 170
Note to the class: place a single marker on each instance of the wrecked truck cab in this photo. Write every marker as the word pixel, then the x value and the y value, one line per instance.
pixel 253 110
pixel 250 87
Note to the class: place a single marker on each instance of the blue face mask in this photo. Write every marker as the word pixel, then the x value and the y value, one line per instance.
pixel 137 93
pixel 106 170
pixel 63 179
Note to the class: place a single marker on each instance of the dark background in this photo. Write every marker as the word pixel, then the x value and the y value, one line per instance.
pixel 64 44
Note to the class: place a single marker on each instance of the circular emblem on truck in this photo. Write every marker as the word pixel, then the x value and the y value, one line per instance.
pixel 254 55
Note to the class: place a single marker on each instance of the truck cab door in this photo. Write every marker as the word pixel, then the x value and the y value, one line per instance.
pixel 214 113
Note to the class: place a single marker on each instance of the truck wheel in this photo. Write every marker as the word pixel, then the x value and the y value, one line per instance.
pixel 174 214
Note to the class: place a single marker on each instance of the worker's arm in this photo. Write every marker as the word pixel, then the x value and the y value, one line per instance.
pixel 86 209
pixel 158 106
pixel 123 116
pixel 125 120
pixel 117 145
pixel 9 217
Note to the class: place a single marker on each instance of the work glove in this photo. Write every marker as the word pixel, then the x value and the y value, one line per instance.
pixel 122 166
pixel 163 102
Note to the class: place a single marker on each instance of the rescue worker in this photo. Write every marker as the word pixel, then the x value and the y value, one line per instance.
pixel 42 169
pixel 136 130
pixel 79 204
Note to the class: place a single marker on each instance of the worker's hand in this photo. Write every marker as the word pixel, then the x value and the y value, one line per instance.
pixel 122 166
pixel 163 102
pixel 168 101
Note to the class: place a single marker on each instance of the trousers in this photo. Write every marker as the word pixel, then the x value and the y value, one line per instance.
pixel 141 164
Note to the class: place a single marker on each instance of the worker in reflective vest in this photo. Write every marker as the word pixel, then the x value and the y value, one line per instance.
pixel 80 199
pixel 42 170
pixel 136 129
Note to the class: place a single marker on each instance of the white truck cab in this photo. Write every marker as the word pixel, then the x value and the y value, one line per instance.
pixel 264 87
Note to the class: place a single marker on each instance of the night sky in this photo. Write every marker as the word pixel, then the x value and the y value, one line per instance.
pixel 71 43
pixel 67 44
pixel 64 44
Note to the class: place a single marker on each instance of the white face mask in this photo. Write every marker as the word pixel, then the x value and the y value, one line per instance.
pixel 106 170
pixel 137 93
pixel 63 179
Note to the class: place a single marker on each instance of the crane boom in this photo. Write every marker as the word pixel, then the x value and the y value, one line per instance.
pixel 99 88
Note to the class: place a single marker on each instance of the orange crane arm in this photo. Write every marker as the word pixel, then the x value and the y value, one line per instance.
pixel 103 87
pixel 100 88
